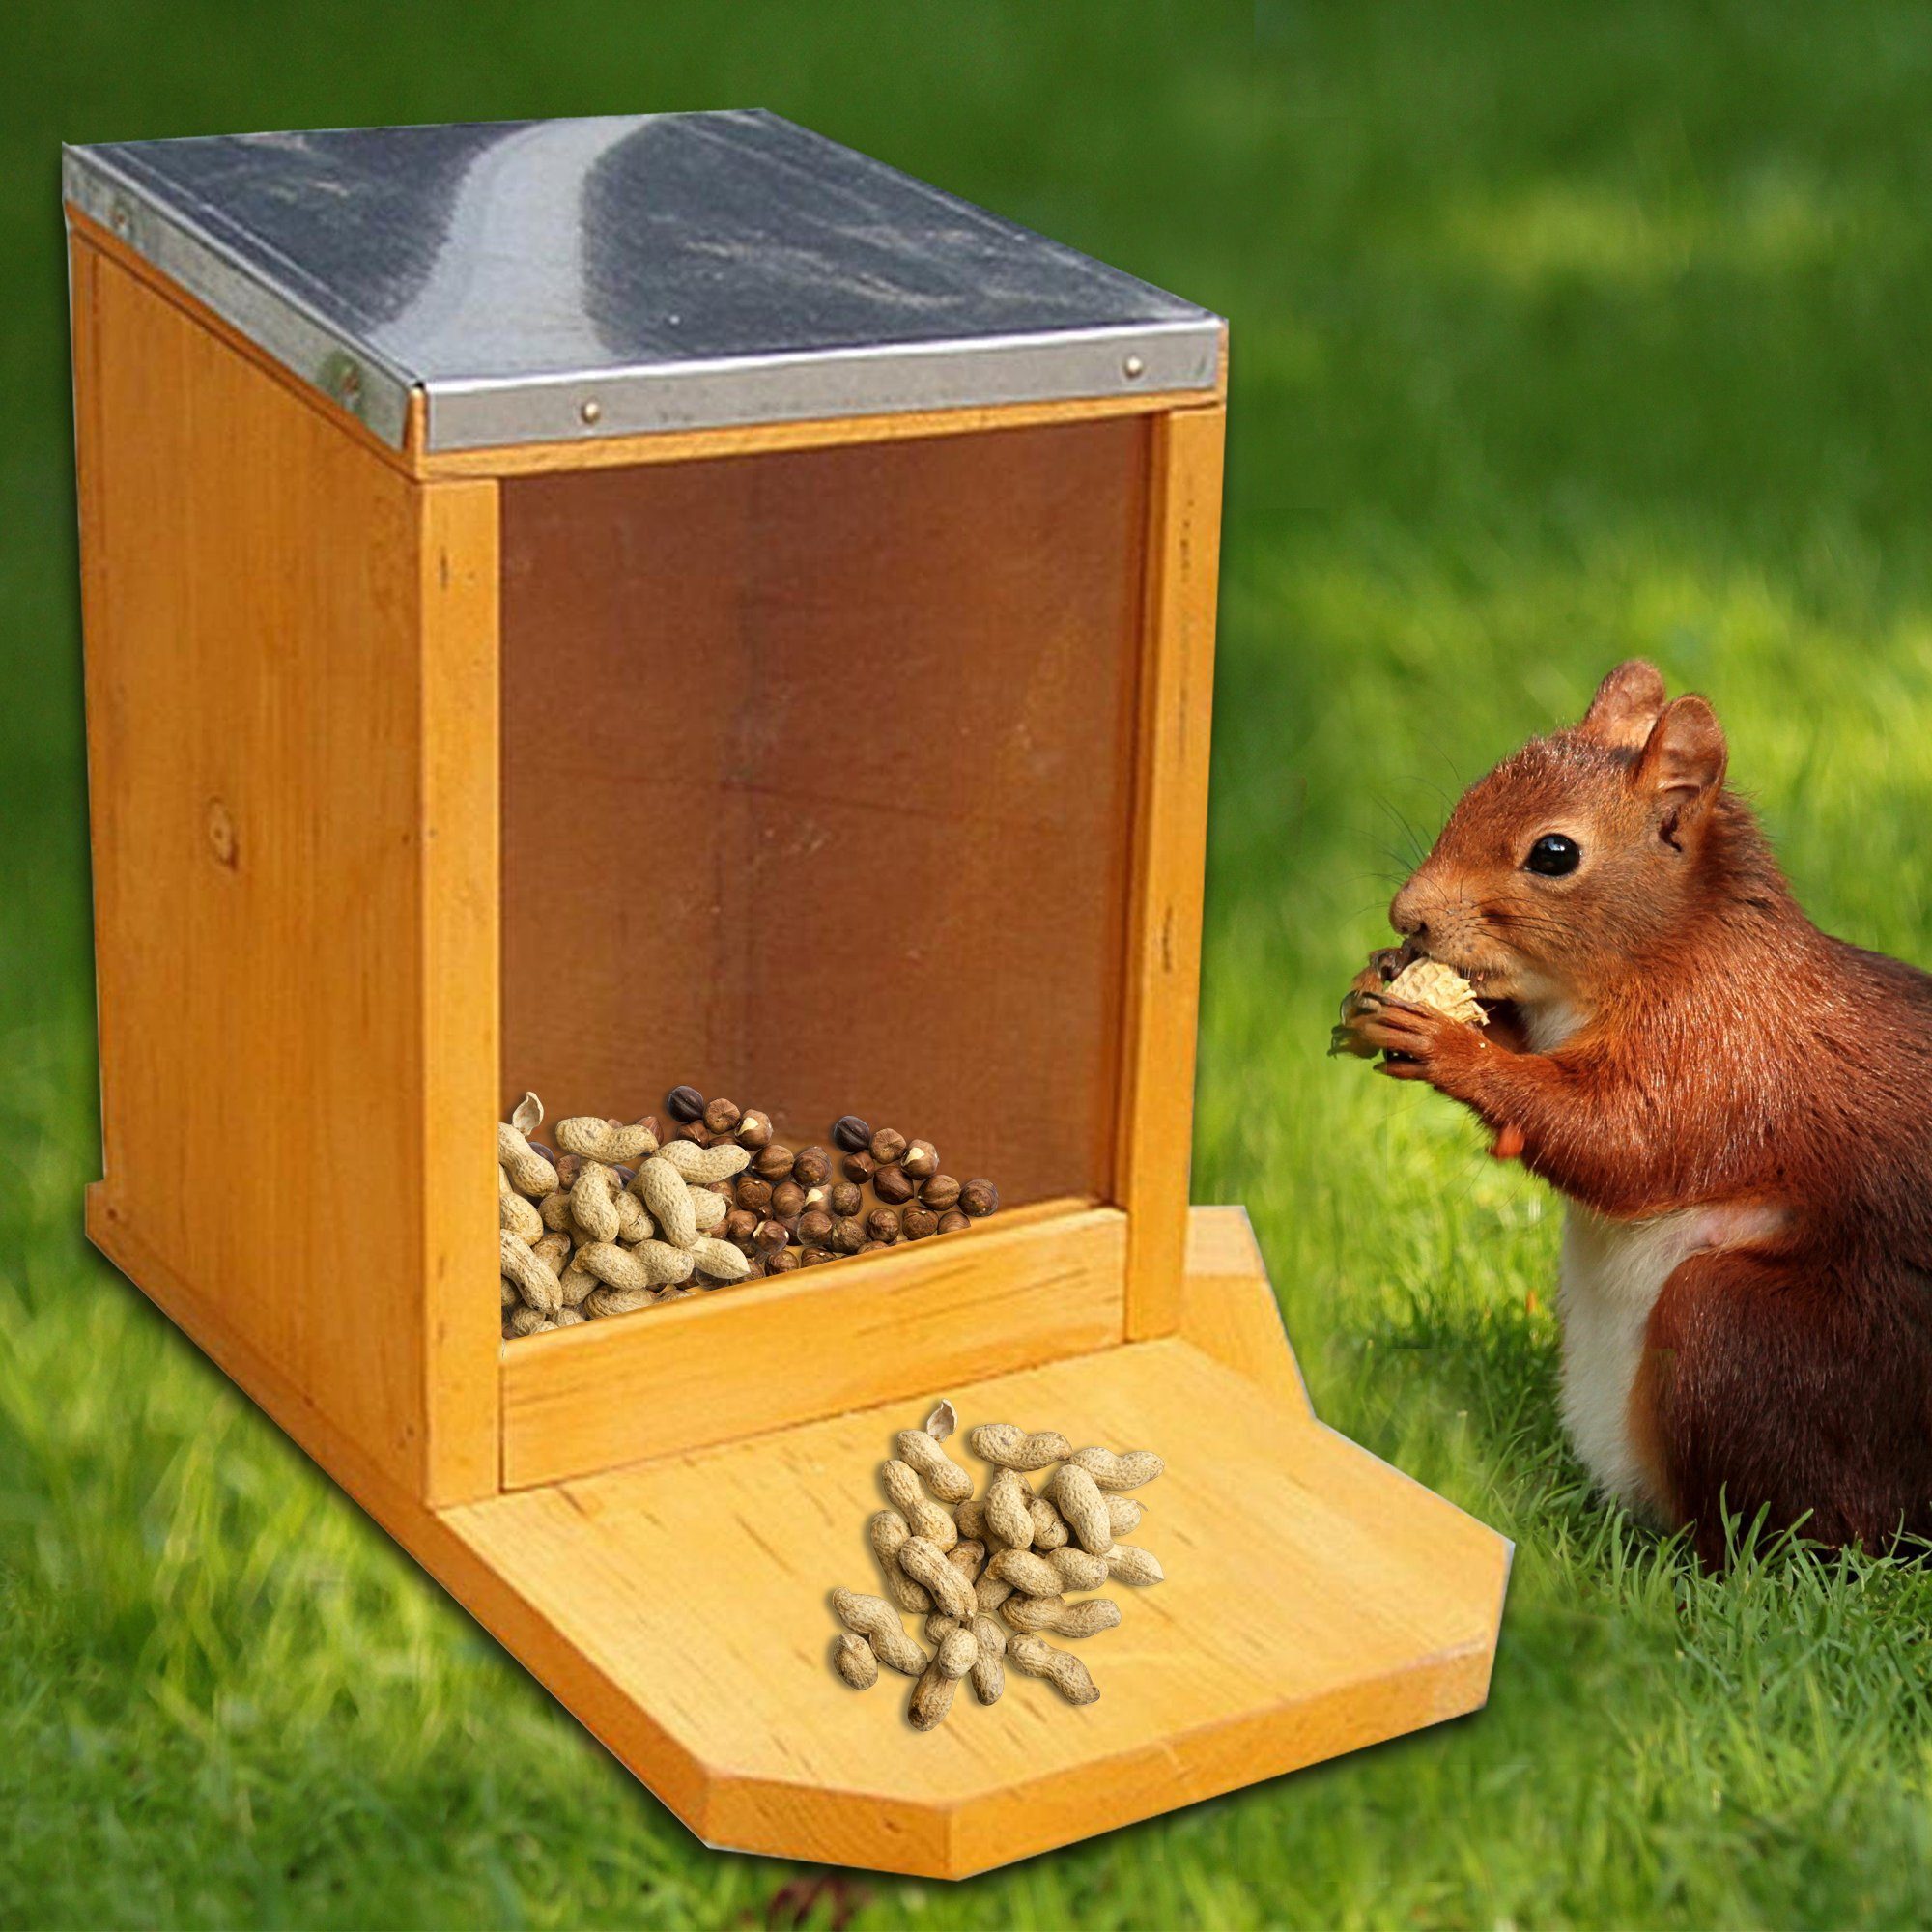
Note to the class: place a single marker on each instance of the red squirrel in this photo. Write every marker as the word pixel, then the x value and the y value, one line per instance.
pixel 1737 1107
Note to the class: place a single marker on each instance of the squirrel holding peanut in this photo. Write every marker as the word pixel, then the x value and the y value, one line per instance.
pixel 1737 1107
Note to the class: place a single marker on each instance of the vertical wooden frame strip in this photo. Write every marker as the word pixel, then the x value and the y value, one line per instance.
pixel 458 527
pixel 1175 706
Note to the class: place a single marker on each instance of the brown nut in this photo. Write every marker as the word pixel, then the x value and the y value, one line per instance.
pixel 860 1167
pixel 754 1129
pixel 693 1130
pixel 887 1145
pixel 940 1193
pixel 952 1222
pixel 850 1132
pixel 721 1117
pixel 921 1159
pixel 815 1256
pixel 753 1193
pixel 787 1201
pixel 783 1262
pixel 812 1168
pixel 740 1225
pixel 978 1197
pixel 917 1223
pixel 770 1236
pixel 893 1184
pixel 882 1224
pixel 773 1162
pixel 845 1199
pixel 848 1234
pixel 685 1103
pixel 814 1228
pixel 874 1248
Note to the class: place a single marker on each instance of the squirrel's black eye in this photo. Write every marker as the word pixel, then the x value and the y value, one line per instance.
pixel 1552 855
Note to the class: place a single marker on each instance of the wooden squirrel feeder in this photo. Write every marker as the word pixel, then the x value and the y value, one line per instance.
pixel 585 604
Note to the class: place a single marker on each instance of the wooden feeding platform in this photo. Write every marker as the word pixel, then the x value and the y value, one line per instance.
pixel 586 604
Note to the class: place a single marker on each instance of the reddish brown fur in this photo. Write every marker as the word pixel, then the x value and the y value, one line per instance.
pixel 1729 1052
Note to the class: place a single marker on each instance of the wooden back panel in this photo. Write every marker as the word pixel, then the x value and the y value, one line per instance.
pixel 819 782
pixel 291 698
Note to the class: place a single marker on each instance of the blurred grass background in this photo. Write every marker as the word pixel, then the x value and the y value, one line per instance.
pixel 1560 333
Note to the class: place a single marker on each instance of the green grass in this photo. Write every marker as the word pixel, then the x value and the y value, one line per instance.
pixel 1560 333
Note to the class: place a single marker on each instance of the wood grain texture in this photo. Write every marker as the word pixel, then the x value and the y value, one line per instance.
pixel 456 530
pixel 1229 1308
pixel 1317 1600
pixel 1173 712
pixel 813 1343
pixel 281 856
pixel 816 790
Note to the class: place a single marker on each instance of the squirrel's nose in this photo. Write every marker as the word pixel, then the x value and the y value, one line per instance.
pixel 1405 914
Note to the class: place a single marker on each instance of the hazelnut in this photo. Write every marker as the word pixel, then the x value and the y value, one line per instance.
pixel 694 1130
pixel 685 1103
pixel 917 1223
pixel 753 1193
pixel 887 1145
pixel 754 1129
pixel 882 1224
pixel 845 1199
pixel 568 1167
pixel 771 1236
pixel 812 1168
pixel 893 1184
pixel 812 1257
pixel 782 1261
pixel 814 1228
pixel 787 1201
pixel 850 1132
pixel 773 1162
pixel 649 1123
pixel 952 1222
pixel 874 1248
pixel 941 1192
pixel 721 1117
pixel 740 1225
pixel 978 1197
pixel 860 1167
pixel 849 1236
pixel 921 1159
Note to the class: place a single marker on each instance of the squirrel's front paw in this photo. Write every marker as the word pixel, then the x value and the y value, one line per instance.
pixel 1424 1044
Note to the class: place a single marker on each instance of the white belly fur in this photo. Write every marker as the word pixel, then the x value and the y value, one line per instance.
pixel 1612 1275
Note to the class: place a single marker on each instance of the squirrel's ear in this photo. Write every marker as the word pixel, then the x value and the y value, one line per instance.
pixel 1627 704
pixel 1683 764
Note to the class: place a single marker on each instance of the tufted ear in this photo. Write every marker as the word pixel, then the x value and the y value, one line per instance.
pixel 1627 704
pixel 1682 767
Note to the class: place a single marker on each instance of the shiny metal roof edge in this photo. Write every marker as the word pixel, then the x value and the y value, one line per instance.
pixel 866 379
pixel 871 379
pixel 347 371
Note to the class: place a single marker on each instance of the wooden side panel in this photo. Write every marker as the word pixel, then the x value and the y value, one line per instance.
pixel 283 856
pixel 1157 1131
pixel 813 1343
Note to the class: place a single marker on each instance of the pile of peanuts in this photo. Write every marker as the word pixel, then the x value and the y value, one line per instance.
pixel 618 1217
pixel 990 1574
pixel 609 1224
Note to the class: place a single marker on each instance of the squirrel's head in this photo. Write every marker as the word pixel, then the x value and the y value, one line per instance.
pixel 1579 857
